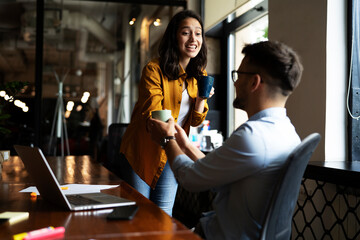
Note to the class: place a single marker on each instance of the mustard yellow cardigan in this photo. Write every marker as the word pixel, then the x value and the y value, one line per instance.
pixel 156 92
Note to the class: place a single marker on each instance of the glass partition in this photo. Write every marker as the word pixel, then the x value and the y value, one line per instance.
pixel 92 56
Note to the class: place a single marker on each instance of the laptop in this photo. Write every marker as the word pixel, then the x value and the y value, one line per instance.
pixel 49 188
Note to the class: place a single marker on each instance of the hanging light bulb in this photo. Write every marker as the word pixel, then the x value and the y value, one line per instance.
pixel 157 22
pixel 132 21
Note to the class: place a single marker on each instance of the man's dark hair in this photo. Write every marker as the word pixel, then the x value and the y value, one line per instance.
pixel 169 50
pixel 278 61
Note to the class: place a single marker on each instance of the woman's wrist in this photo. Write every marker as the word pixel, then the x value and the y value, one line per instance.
pixel 199 104
pixel 200 99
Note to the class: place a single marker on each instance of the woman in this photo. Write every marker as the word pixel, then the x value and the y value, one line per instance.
pixel 168 82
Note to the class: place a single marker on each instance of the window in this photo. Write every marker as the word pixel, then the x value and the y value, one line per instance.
pixel 254 32
pixel 249 26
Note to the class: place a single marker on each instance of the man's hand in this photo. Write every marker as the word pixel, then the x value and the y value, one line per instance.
pixel 159 129
pixel 181 137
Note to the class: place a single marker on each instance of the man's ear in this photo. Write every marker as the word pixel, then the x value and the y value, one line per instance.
pixel 255 82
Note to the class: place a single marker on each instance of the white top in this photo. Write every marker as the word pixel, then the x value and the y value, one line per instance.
pixel 184 107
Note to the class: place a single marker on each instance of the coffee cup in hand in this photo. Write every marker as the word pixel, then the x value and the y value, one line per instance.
pixel 163 115
pixel 205 84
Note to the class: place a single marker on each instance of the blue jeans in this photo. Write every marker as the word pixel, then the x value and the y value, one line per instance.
pixel 165 190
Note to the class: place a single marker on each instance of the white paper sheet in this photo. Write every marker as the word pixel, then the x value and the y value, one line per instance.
pixel 75 188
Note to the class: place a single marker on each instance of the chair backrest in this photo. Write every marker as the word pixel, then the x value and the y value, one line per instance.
pixel 115 134
pixel 278 219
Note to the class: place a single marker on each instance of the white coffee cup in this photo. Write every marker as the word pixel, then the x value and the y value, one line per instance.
pixel 163 115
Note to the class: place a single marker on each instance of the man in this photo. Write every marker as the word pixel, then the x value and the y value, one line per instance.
pixel 244 170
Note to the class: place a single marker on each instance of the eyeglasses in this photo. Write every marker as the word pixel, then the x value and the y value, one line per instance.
pixel 235 74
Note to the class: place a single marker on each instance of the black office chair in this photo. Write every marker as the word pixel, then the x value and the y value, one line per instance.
pixel 278 219
pixel 116 132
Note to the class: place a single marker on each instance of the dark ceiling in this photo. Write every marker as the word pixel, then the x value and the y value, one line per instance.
pixel 77 35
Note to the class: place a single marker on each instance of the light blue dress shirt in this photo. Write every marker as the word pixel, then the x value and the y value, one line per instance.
pixel 243 172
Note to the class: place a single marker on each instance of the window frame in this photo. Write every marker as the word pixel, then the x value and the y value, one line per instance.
pixel 354 81
pixel 225 31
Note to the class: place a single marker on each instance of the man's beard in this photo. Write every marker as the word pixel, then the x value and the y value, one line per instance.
pixel 238 103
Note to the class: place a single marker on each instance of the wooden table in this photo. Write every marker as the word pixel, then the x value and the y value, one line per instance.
pixel 150 222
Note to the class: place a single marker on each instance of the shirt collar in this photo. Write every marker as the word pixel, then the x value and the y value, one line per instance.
pixel 269 112
pixel 181 71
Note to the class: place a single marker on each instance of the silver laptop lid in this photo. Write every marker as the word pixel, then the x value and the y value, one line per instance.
pixel 49 188
pixel 44 178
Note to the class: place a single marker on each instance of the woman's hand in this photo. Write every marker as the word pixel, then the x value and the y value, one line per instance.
pixel 200 102
pixel 212 92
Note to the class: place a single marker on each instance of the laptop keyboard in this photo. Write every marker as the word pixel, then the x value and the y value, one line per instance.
pixel 80 200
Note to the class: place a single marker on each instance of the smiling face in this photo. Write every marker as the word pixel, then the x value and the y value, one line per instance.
pixel 189 36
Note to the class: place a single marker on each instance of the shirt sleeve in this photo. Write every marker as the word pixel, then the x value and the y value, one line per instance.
pixel 150 89
pixel 198 118
pixel 240 156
